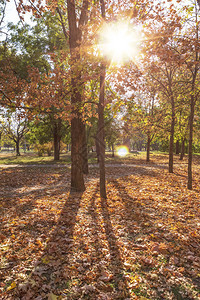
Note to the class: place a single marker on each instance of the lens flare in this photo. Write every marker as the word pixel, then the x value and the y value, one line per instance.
pixel 122 151
pixel 119 42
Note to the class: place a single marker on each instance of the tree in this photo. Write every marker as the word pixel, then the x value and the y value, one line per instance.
pixel 189 54
pixel 78 135
pixel 193 68
pixel 15 127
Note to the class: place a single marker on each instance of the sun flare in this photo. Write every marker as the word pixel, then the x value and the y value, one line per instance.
pixel 122 151
pixel 119 42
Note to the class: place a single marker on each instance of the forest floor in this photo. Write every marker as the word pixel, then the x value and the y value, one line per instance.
pixel 142 242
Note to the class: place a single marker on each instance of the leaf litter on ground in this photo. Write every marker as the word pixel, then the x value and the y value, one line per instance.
pixel 142 242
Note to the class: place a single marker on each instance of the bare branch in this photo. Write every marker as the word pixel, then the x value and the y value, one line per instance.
pixel 62 23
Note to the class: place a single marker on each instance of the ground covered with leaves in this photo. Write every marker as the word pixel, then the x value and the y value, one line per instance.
pixel 142 242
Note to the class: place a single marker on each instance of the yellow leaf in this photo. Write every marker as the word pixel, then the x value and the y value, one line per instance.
pixel 12 286
pixel 45 260
pixel 51 296
pixel 39 243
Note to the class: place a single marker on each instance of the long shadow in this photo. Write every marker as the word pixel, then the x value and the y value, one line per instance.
pixel 10 193
pixel 55 269
pixel 50 273
pixel 31 224
pixel 116 262
pixel 131 206
pixel 96 230
pixel 115 266
pixel 12 178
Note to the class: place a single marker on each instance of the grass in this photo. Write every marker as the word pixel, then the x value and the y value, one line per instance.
pixel 31 158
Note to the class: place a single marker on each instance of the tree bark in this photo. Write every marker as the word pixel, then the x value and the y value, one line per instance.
pixel 85 152
pixel 77 126
pixel 17 147
pixel 56 139
pixel 148 148
pixel 171 142
pixel 191 121
pixel 182 149
pixel 97 146
pixel 101 134
pixel 177 147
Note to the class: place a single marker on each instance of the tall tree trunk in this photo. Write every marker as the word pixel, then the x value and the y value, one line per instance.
pixel 177 147
pixel 148 148
pixel 56 139
pixel 101 130
pixel 171 141
pixel 17 147
pixel 77 126
pixel 77 179
pixel 182 149
pixel 193 99
pixel 101 134
pixel 191 121
pixel 97 147
pixel 85 152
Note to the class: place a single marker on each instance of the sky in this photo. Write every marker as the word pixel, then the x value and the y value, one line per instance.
pixel 11 15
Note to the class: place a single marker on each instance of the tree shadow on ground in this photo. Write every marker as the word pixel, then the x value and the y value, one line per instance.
pixel 68 266
pixel 71 265
pixel 112 273
pixel 149 233
pixel 22 197
pixel 51 269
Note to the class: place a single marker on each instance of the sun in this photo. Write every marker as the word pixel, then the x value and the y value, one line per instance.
pixel 122 151
pixel 119 42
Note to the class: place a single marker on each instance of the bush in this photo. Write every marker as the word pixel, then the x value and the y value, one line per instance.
pixel 63 147
pixel 44 148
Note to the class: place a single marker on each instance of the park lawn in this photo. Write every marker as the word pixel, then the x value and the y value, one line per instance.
pixel 142 242
pixel 31 158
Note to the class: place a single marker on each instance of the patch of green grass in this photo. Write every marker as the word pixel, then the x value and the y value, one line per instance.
pixel 31 158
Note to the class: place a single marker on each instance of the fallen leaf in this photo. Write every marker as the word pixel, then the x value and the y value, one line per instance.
pixel 12 286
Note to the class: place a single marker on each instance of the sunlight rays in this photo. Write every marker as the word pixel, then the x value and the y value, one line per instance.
pixel 119 42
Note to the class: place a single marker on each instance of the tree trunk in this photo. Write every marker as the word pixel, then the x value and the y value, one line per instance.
pixel 148 148
pixel 85 152
pixel 77 126
pixel 177 147
pixel 17 147
pixel 77 179
pixel 171 142
pixel 97 147
pixel 56 139
pixel 191 121
pixel 113 150
pixel 182 149
pixel 101 134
